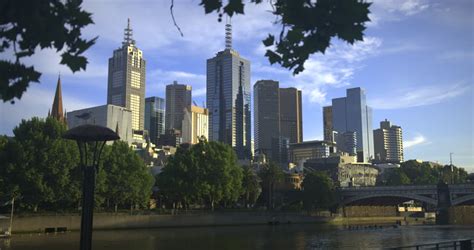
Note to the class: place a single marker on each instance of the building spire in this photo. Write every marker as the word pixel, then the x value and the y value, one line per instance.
pixel 128 35
pixel 228 33
pixel 57 109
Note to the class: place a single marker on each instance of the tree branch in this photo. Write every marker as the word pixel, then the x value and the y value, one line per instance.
pixel 174 21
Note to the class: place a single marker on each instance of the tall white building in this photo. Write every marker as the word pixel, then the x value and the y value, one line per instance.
pixel 126 79
pixel 195 124
pixel 388 143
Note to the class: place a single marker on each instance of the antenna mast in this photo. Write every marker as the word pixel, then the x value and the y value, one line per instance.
pixel 228 33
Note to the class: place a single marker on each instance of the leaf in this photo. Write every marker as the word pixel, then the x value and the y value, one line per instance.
pixel 269 41
pixel 211 5
pixel 75 63
pixel 234 6
pixel 273 57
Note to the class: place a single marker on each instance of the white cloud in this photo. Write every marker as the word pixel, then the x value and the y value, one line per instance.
pixel 394 10
pixel 419 96
pixel 417 140
pixel 456 55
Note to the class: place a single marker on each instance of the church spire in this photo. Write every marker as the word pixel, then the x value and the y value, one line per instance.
pixel 57 109
pixel 128 35
pixel 228 33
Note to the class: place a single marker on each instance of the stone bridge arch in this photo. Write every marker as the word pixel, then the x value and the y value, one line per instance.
pixel 425 199
pixel 462 199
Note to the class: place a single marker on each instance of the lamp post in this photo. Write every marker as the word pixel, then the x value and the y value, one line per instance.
pixel 90 140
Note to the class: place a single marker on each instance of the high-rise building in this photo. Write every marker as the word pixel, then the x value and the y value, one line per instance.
pixel 291 114
pixel 126 80
pixel 327 124
pixel 351 114
pixel 195 124
pixel 178 98
pixel 228 99
pixel 117 118
pixel 155 117
pixel 266 115
pixel 57 108
pixel 388 143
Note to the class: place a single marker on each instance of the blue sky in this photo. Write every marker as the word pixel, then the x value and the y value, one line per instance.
pixel 416 65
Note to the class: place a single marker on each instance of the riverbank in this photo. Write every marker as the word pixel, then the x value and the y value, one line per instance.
pixel 114 221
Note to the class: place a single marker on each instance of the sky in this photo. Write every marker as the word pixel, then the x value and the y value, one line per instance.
pixel 416 65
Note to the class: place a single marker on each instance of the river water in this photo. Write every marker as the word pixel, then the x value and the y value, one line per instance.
pixel 246 237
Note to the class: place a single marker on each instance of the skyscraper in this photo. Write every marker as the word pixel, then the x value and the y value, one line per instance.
pixel 195 124
pixel 57 109
pixel 178 98
pixel 351 114
pixel 388 143
pixel 266 115
pixel 228 98
pixel 126 80
pixel 327 124
pixel 155 117
pixel 291 116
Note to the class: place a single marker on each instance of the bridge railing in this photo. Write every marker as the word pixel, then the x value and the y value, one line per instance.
pixel 465 244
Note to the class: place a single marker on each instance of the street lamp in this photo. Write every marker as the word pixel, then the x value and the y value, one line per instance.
pixel 90 140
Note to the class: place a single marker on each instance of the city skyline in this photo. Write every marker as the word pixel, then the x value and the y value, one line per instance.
pixel 430 97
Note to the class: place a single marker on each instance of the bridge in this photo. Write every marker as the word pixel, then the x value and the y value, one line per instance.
pixel 436 195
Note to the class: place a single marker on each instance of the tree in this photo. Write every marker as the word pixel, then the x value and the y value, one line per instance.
pixel 318 191
pixel 271 174
pixel 128 181
pixel 250 185
pixel 307 27
pixel 38 165
pixel 28 25
pixel 204 173
pixel 397 177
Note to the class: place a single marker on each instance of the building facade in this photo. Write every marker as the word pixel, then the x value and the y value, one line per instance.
pixel 351 114
pixel 155 117
pixel 388 143
pixel 300 152
pixel 228 99
pixel 344 171
pixel 291 114
pixel 126 79
pixel 178 98
pixel 266 115
pixel 327 124
pixel 195 124
pixel 117 118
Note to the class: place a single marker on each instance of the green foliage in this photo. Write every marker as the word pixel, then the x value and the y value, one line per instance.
pixel 39 166
pixel 397 177
pixel 41 170
pixel 424 173
pixel 318 191
pixel 29 25
pixel 250 186
pixel 307 27
pixel 128 181
pixel 270 175
pixel 204 173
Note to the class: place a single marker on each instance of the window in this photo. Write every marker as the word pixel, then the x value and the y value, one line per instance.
pixel 135 79
pixel 135 107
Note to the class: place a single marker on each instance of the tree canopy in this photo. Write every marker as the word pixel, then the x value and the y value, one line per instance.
pixel 204 173
pixel 41 170
pixel 318 191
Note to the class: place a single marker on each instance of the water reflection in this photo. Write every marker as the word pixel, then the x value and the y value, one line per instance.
pixel 296 237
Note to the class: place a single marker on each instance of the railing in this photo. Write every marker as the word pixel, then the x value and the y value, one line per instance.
pixel 456 244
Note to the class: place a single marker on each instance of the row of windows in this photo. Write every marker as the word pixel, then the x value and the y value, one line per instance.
pixel 135 79
pixel 135 107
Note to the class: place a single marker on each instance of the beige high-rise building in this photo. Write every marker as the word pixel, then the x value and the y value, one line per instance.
pixel 291 114
pixel 195 124
pixel 388 143
pixel 126 79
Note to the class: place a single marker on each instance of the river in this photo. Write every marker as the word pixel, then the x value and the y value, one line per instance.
pixel 302 236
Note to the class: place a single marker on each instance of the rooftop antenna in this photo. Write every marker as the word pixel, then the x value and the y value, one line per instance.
pixel 128 33
pixel 228 33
